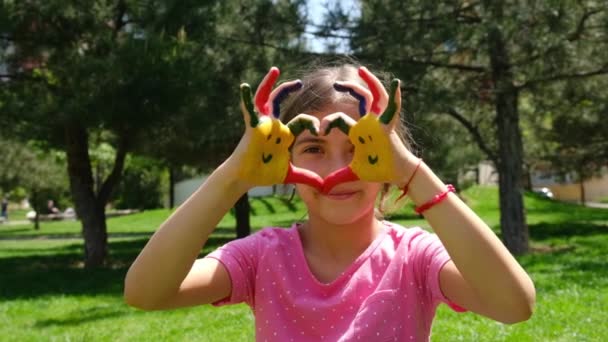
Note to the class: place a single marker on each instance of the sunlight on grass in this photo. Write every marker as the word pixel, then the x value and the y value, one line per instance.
pixel 45 294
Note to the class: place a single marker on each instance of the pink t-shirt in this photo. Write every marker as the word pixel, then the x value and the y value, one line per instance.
pixel 389 293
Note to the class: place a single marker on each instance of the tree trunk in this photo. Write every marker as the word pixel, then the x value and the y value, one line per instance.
pixel 583 199
pixel 35 202
pixel 37 221
pixel 95 235
pixel 510 167
pixel 243 228
pixel 90 212
pixel 528 178
pixel 90 206
pixel 171 187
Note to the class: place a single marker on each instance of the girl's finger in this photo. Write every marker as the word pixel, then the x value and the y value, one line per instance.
pixel 338 120
pixel 249 115
pixel 359 92
pixel 375 86
pixel 279 94
pixel 263 92
pixel 302 122
pixel 390 117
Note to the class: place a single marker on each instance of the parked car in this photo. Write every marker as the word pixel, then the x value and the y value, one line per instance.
pixel 544 192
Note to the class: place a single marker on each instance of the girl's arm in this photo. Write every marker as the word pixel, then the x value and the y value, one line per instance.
pixel 165 274
pixel 483 276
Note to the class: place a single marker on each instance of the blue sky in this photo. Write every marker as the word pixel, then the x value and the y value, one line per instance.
pixel 316 10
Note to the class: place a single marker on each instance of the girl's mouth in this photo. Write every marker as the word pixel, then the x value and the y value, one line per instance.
pixel 341 195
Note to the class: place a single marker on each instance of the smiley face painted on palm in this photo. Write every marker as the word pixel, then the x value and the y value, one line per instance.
pixel 372 160
pixel 373 155
pixel 268 154
pixel 267 158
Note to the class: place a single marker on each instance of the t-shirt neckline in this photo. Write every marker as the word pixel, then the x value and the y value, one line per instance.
pixel 311 278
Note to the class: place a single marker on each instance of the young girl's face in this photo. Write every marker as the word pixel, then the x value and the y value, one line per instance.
pixel 347 202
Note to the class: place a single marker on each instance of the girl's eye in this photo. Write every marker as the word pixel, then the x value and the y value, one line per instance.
pixel 312 149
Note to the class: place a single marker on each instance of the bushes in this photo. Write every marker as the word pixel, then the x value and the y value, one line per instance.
pixel 142 185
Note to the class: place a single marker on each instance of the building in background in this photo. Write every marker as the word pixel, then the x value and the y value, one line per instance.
pixel 564 187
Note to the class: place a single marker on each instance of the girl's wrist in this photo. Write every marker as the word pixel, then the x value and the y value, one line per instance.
pixel 411 165
pixel 424 185
pixel 405 187
pixel 229 173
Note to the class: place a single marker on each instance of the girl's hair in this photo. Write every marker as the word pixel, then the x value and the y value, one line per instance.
pixel 318 93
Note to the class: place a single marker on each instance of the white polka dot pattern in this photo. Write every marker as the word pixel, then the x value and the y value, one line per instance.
pixel 389 293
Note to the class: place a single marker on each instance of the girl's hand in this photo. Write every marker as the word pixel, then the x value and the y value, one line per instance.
pixel 379 155
pixel 262 156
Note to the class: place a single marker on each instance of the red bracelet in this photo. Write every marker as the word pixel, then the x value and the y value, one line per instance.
pixel 437 199
pixel 406 187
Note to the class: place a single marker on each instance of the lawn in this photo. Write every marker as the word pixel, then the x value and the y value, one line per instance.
pixel 45 294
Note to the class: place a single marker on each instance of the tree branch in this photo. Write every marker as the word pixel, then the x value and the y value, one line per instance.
pixel 574 36
pixel 7 37
pixel 601 71
pixel 474 133
pixel 327 35
pixel 119 161
pixel 461 67
pixel 20 77
pixel 119 23
pixel 581 24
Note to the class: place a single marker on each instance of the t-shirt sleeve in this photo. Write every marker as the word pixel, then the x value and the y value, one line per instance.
pixel 429 257
pixel 240 258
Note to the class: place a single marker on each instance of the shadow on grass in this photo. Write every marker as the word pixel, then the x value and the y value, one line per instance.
pixel 12 230
pixel 60 271
pixel 290 205
pixel 570 255
pixel 536 204
pixel 544 230
pixel 269 208
pixel 83 316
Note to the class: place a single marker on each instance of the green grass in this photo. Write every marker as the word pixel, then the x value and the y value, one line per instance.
pixel 45 294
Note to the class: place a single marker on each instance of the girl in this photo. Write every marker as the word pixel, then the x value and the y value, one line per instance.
pixel 343 274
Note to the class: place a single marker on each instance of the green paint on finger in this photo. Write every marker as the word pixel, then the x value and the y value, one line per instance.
pixel 391 110
pixel 300 125
pixel 340 124
pixel 248 102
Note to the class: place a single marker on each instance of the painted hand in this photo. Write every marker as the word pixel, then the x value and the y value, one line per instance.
pixel 378 149
pixel 266 160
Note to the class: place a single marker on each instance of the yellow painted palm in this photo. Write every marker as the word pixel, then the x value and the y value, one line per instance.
pixel 373 154
pixel 267 159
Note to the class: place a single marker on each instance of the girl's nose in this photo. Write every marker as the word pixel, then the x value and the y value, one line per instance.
pixel 336 160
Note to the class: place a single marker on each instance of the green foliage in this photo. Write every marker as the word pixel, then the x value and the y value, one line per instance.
pixel 574 132
pixel 142 186
pixel 440 51
pixel 29 170
pixel 154 78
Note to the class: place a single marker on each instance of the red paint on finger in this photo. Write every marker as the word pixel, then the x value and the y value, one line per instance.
pixel 368 78
pixel 263 93
pixel 342 175
pixel 297 175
